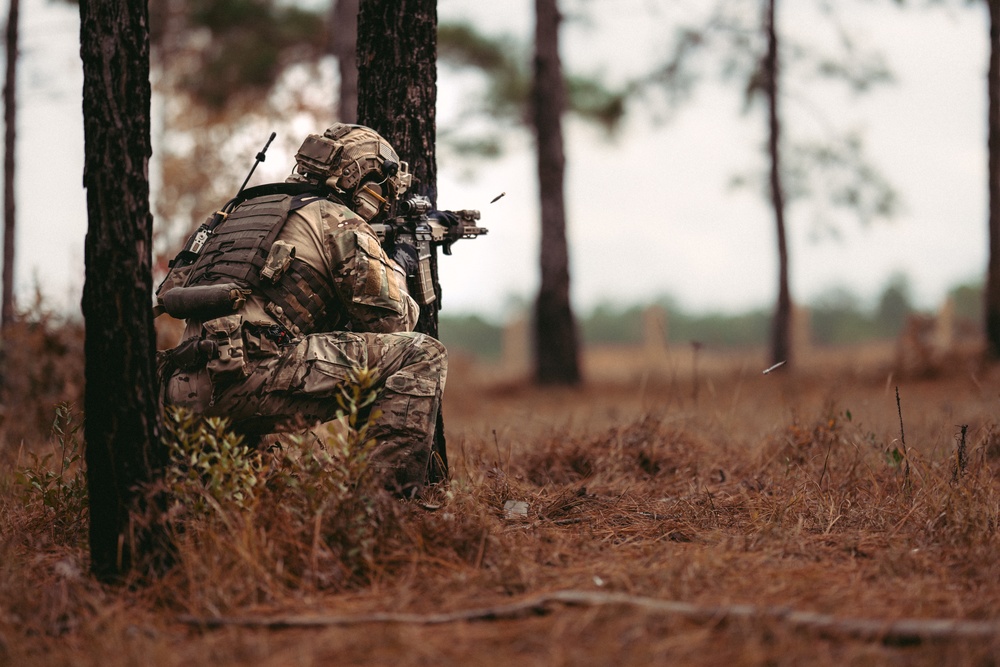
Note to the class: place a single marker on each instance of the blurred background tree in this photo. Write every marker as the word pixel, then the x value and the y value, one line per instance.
pixel 992 290
pixel 750 51
pixel 557 355
pixel 343 44
pixel 7 307
pixel 537 99
pixel 225 74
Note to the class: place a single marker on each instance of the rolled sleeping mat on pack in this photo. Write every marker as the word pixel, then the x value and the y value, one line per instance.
pixel 204 302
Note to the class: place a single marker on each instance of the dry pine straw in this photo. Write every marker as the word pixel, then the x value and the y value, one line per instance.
pixel 760 504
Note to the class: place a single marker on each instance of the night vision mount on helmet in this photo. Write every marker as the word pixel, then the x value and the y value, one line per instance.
pixel 356 161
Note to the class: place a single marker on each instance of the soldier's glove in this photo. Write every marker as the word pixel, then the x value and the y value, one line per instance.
pixel 407 258
pixel 446 218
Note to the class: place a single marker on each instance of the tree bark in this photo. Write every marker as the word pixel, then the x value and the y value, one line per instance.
pixel 556 346
pixel 397 97
pixel 343 46
pixel 781 349
pixel 10 133
pixel 992 290
pixel 122 428
pixel 397 81
pixel 397 94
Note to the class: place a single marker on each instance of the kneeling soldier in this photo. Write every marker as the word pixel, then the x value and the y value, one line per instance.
pixel 292 291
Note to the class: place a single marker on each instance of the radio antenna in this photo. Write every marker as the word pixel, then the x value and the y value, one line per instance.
pixel 260 158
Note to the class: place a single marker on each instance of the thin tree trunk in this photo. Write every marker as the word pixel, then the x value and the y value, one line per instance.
pixel 556 347
pixel 992 291
pixel 781 349
pixel 122 413
pixel 397 97
pixel 397 81
pixel 343 46
pixel 397 94
pixel 10 134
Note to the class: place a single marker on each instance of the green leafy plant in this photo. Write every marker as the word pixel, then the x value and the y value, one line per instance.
pixel 352 443
pixel 322 489
pixel 305 510
pixel 210 467
pixel 62 489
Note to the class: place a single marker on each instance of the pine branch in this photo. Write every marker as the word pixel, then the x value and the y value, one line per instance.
pixel 903 630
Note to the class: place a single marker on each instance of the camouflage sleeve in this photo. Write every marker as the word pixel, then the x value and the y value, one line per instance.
pixel 372 286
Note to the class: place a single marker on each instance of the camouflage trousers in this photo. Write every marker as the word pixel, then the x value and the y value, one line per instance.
pixel 301 382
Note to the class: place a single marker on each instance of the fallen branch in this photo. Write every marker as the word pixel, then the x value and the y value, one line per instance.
pixel 904 630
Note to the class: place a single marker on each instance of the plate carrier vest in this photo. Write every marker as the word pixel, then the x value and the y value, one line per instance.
pixel 238 248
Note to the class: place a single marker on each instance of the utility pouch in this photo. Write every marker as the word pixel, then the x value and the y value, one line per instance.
pixel 204 302
pixel 278 259
pixel 265 339
pixel 189 355
pixel 226 333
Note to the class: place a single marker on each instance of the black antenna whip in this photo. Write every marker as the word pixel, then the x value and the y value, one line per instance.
pixel 260 158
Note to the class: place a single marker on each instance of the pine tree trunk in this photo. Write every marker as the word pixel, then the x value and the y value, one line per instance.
pixel 343 46
pixel 397 81
pixel 556 346
pixel 10 134
pixel 397 94
pixel 121 404
pixel 781 349
pixel 992 291
pixel 397 97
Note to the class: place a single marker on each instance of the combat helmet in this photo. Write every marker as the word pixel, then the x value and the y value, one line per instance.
pixel 356 162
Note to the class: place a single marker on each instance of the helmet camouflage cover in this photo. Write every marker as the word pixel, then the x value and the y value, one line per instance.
pixel 347 155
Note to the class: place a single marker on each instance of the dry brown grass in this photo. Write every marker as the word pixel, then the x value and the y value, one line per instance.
pixel 709 484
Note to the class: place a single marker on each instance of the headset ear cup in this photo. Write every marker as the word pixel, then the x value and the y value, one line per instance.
pixel 368 200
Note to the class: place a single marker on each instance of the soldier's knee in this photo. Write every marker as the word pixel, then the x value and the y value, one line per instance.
pixel 426 348
pixel 428 357
pixel 435 349
pixel 437 359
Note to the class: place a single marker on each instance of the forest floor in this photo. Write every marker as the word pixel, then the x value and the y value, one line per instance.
pixel 691 511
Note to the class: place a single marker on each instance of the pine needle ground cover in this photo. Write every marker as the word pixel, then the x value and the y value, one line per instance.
pixel 702 514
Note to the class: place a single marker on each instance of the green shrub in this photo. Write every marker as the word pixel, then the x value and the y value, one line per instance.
pixel 321 490
pixel 210 467
pixel 58 491
pixel 305 511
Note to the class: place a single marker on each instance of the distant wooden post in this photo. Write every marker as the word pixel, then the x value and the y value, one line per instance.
pixel 654 331
pixel 944 327
pixel 801 330
pixel 516 345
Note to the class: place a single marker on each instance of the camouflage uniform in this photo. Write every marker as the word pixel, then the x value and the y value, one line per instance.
pixel 273 382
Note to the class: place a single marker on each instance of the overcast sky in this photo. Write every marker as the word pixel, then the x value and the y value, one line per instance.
pixel 649 214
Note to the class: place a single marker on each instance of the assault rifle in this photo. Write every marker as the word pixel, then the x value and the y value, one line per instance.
pixel 426 230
